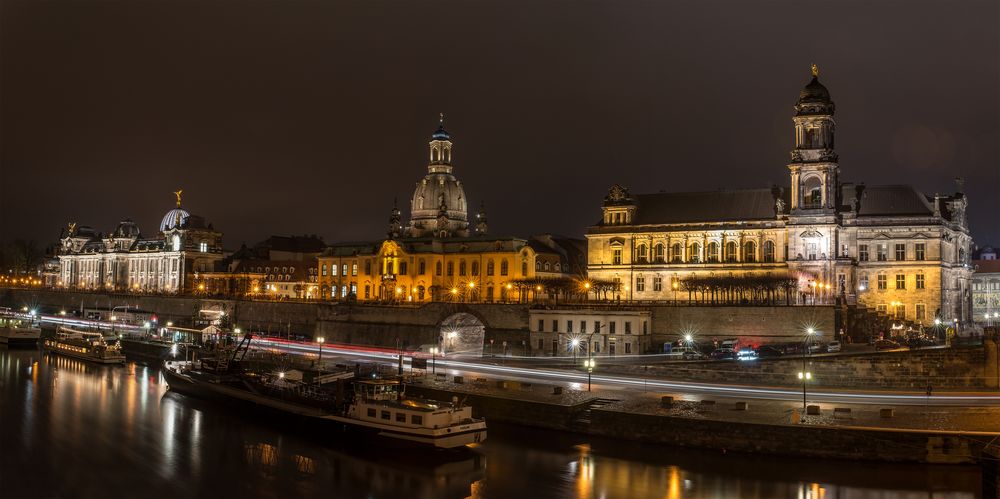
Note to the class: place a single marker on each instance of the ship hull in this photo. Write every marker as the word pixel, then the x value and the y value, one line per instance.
pixel 453 438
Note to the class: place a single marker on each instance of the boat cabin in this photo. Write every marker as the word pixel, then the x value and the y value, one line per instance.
pixel 383 402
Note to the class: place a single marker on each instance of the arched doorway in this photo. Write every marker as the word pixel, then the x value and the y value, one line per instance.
pixel 462 334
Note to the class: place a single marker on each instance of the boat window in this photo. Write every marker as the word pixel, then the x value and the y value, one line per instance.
pixel 400 417
pixel 385 415
pixel 415 419
pixel 371 413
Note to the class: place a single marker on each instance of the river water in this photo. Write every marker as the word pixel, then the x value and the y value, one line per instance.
pixel 73 429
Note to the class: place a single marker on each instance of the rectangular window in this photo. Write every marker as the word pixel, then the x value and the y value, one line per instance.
pixel 811 250
pixel 371 412
pixel 417 420
pixel 863 283
pixel 640 284
pixel 611 327
pixel 569 326
pixel 920 312
pixel 645 327
pixel 386 415
pixel 324 270
pixel 451 268
pixel 883 252
pixel 368 267
pixel 583 327
pixel 400 417
pixel 461 268
pixel 555 326
pixel 881 308
pixel 881 282
pixel 900 312
pixel 657 283
pixel 422 267
pixel 203 247
pixel 863 253
pixel 919 251
pixel 541 325
pixel 403 268
pixel 616 256
pixel 354 269
pixel 900 281
pixel 597 347
pixel 628 327
pixel 900 252
pixel 920 281
pixel 597 327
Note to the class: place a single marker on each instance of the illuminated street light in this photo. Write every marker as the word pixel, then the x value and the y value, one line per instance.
pixel 590 364
pixel 574 344
pixel 319 363
pixel 804 376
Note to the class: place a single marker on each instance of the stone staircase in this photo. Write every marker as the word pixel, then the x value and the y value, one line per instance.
pixel 581 420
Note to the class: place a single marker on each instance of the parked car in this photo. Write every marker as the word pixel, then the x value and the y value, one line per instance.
pixel 686 353
pixel 693 355
pixel 723 354
pixel 746 353
pixel 886 345
pixel 767 352
pixel 815 347
pixel 833 346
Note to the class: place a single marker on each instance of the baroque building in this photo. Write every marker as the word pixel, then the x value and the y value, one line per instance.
pixel 438 254
pixel 126 260
pixel 886 247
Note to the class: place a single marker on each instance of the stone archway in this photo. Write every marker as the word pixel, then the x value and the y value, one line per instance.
pixel 462 334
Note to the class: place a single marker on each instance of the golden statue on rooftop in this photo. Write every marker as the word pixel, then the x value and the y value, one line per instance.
pixel 815 70
pixel 178 194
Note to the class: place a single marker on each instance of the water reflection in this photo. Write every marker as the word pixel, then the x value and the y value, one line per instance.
pixel 73 429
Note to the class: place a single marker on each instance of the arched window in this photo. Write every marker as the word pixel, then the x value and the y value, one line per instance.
pixel 557 267
pixel 640 253
pixel 658 255
pixel 503 267
pixel 547 266
pixel 489 267
pixel 524 268
pixel 712 252
pixel 694 253
pixel 749 251
pixel 731 250
pixel 475 268
pixel 812 197
pixel 675 253
pixel 461 267
pixel 538 265
pixel 769 251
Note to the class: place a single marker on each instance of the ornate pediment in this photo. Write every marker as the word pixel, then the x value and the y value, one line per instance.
pixel 617 195
pixel 811 234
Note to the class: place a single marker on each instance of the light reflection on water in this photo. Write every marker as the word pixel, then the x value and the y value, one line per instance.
pixel 73 429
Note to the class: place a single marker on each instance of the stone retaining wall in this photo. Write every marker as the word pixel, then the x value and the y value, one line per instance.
pixel 954 368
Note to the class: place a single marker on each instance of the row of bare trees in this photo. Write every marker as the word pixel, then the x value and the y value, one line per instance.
pixel 727 290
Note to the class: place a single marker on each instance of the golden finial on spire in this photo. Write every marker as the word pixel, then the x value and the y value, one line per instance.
pixel 178 193
pixel 815 70
pixel 441 118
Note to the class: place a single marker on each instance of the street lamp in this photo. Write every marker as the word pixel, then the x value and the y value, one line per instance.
pixel 319 363
pixel 574 343
pixel 434 351
pixel 804 376
pixel 590 363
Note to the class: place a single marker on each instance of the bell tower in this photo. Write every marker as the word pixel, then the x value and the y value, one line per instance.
pixel 814 167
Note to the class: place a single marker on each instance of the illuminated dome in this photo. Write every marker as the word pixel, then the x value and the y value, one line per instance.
pixel 438 207
pixel 176 217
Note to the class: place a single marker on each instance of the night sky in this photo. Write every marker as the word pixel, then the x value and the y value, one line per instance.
pixel 295 117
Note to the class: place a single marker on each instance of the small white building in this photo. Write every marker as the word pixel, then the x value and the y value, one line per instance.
pixel 563 332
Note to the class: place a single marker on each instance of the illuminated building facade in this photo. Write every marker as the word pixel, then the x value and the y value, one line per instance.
pixel 125 260
pixel 888 247
pixel 438 254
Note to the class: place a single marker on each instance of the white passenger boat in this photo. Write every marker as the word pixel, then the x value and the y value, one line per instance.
pixel 84 345
pixel 17 330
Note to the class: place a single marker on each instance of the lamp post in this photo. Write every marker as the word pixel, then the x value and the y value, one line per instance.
pixel 809 333
pixel 434 351
pixel 319 363
pixel 574 344
pixel 590 363
pixel 804 376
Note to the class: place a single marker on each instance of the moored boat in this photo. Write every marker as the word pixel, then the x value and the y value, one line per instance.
pixel 18 331
pixel 84 345
pixel 377 408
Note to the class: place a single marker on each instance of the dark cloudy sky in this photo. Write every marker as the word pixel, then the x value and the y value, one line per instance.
pixel 292 117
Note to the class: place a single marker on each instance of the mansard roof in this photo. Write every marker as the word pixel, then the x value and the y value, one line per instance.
pixel 888 200
pixel 701 207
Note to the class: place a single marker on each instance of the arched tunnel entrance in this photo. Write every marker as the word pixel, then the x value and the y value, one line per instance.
pixel 462 334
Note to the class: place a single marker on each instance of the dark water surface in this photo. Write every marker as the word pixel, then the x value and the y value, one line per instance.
pixel 73 429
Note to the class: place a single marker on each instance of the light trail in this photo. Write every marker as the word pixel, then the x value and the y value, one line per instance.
pixel 652 384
